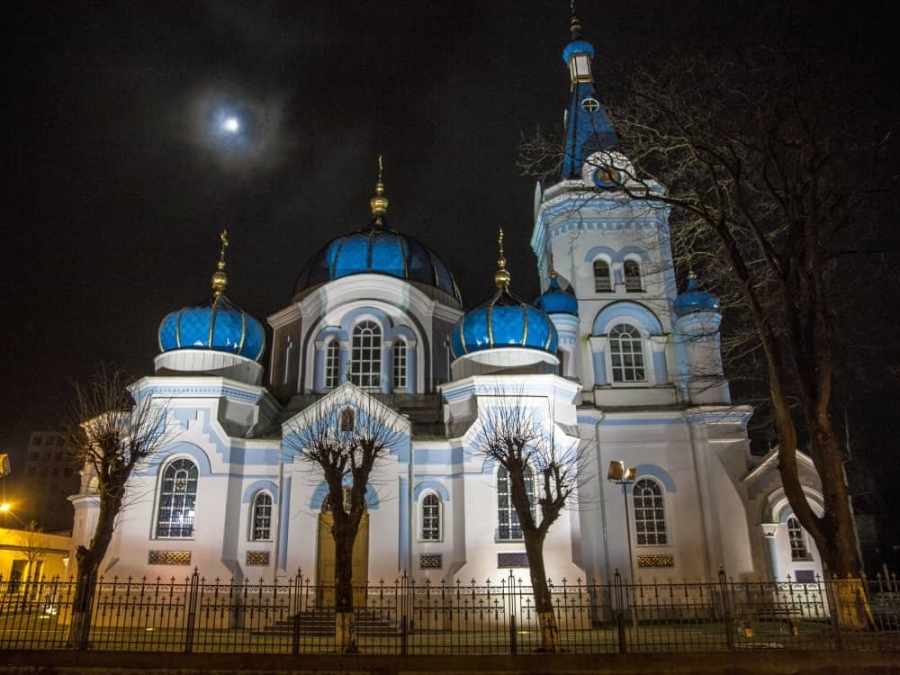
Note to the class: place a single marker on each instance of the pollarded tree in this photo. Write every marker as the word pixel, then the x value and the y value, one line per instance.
pixel 345 436
pixel 755 153
pixel 112 435
pixel 541 475
pixel 775 173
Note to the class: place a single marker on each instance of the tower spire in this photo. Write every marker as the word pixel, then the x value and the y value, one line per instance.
pixel 588 129
pixel 219 278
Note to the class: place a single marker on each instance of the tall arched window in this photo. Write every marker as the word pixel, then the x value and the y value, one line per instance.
pixel 509 527
pixel 262 517
pixel 799 549
pixel 365 367
pixel 650 528
pixel 399 364
pixel 632 270
pixel 602 280
pixel 332 364
pixel 626 354
pixel 431 518
pixel 177 500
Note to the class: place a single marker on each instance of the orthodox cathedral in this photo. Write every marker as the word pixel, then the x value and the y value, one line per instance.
pixel 611 359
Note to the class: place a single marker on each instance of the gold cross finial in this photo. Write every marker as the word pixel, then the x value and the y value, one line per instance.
pixel 501 278
pixel 575 25
pixel 379 202
pixel 219 279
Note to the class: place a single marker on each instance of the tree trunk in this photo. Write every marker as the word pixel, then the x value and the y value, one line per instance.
pixel 344 627
pixel 82 606
pixel 543 601
pixel 838 532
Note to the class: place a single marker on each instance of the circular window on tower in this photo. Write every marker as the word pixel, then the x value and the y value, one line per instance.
pixel 590 105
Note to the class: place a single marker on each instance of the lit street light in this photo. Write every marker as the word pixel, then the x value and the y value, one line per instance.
pixel 620 475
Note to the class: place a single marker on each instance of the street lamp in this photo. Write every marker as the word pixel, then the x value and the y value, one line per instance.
pixel 620 475
pixel 6 510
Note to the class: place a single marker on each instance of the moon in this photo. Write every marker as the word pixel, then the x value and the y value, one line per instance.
pixel 231 125
pixel 237 130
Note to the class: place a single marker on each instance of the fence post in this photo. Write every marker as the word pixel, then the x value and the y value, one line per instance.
pixel 830 581
pixel 620 610
pixel 511 608
pixel 404 631
pixel 726 608
pixel 193 589
pixel 295 633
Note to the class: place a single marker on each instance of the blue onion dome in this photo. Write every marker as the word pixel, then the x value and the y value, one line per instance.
pixel 377 249
pixel 503 321
pixel 555 300
pixel 216 324
pixel 694 299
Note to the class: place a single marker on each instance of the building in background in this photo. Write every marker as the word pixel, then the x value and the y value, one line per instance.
pixel 40 490
pixel 28 556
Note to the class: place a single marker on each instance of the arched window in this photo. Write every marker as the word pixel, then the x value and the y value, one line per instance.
pixel 332 364
pixel 632 275
pixel 365 367
pixel 626 354
pixel 431 518
pixel 177 500
pixel 399 364
pixel 262 517
pixel 797 537
pixel 650 528
pixel 509 528
pixel 602 280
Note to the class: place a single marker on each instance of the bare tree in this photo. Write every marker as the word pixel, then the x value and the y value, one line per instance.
pixel 112 434
pixel 344 436
pixel 541 472
pixel 774 184
pixel 33 544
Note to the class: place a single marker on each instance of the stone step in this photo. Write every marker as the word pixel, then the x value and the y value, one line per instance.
pixel 322 623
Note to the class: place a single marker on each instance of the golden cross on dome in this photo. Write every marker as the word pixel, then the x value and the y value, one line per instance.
pixel 501 278
pixel 379 202
pixel 219 279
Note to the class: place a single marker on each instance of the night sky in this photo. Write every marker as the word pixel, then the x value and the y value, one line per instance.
pixel 116 183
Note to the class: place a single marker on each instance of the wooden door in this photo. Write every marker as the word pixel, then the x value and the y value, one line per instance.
pixel 325 560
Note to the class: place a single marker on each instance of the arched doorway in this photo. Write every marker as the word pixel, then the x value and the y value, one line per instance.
pixel 325 557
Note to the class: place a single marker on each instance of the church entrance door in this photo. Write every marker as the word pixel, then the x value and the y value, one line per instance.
pixel 325 559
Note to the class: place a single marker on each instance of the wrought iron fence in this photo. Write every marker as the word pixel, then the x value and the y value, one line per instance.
pixel 412 617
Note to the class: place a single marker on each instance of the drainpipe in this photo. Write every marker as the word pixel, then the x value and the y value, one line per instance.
pixel 602 494
pixel 703 534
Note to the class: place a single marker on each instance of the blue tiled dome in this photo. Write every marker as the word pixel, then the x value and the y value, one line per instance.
pixel 503 321
pixel 217 325
pixel 557 301
pixel 694 299
pixel 377 249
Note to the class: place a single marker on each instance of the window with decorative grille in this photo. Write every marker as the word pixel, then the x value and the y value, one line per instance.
pixel 262 517
pixel 177 500
pixel 650 528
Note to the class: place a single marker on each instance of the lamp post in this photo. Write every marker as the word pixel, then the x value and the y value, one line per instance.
pixel 620 475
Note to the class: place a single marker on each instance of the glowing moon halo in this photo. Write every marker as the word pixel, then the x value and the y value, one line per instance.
pixel 231 125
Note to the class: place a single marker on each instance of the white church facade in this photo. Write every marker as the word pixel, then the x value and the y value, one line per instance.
pixel 612 358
